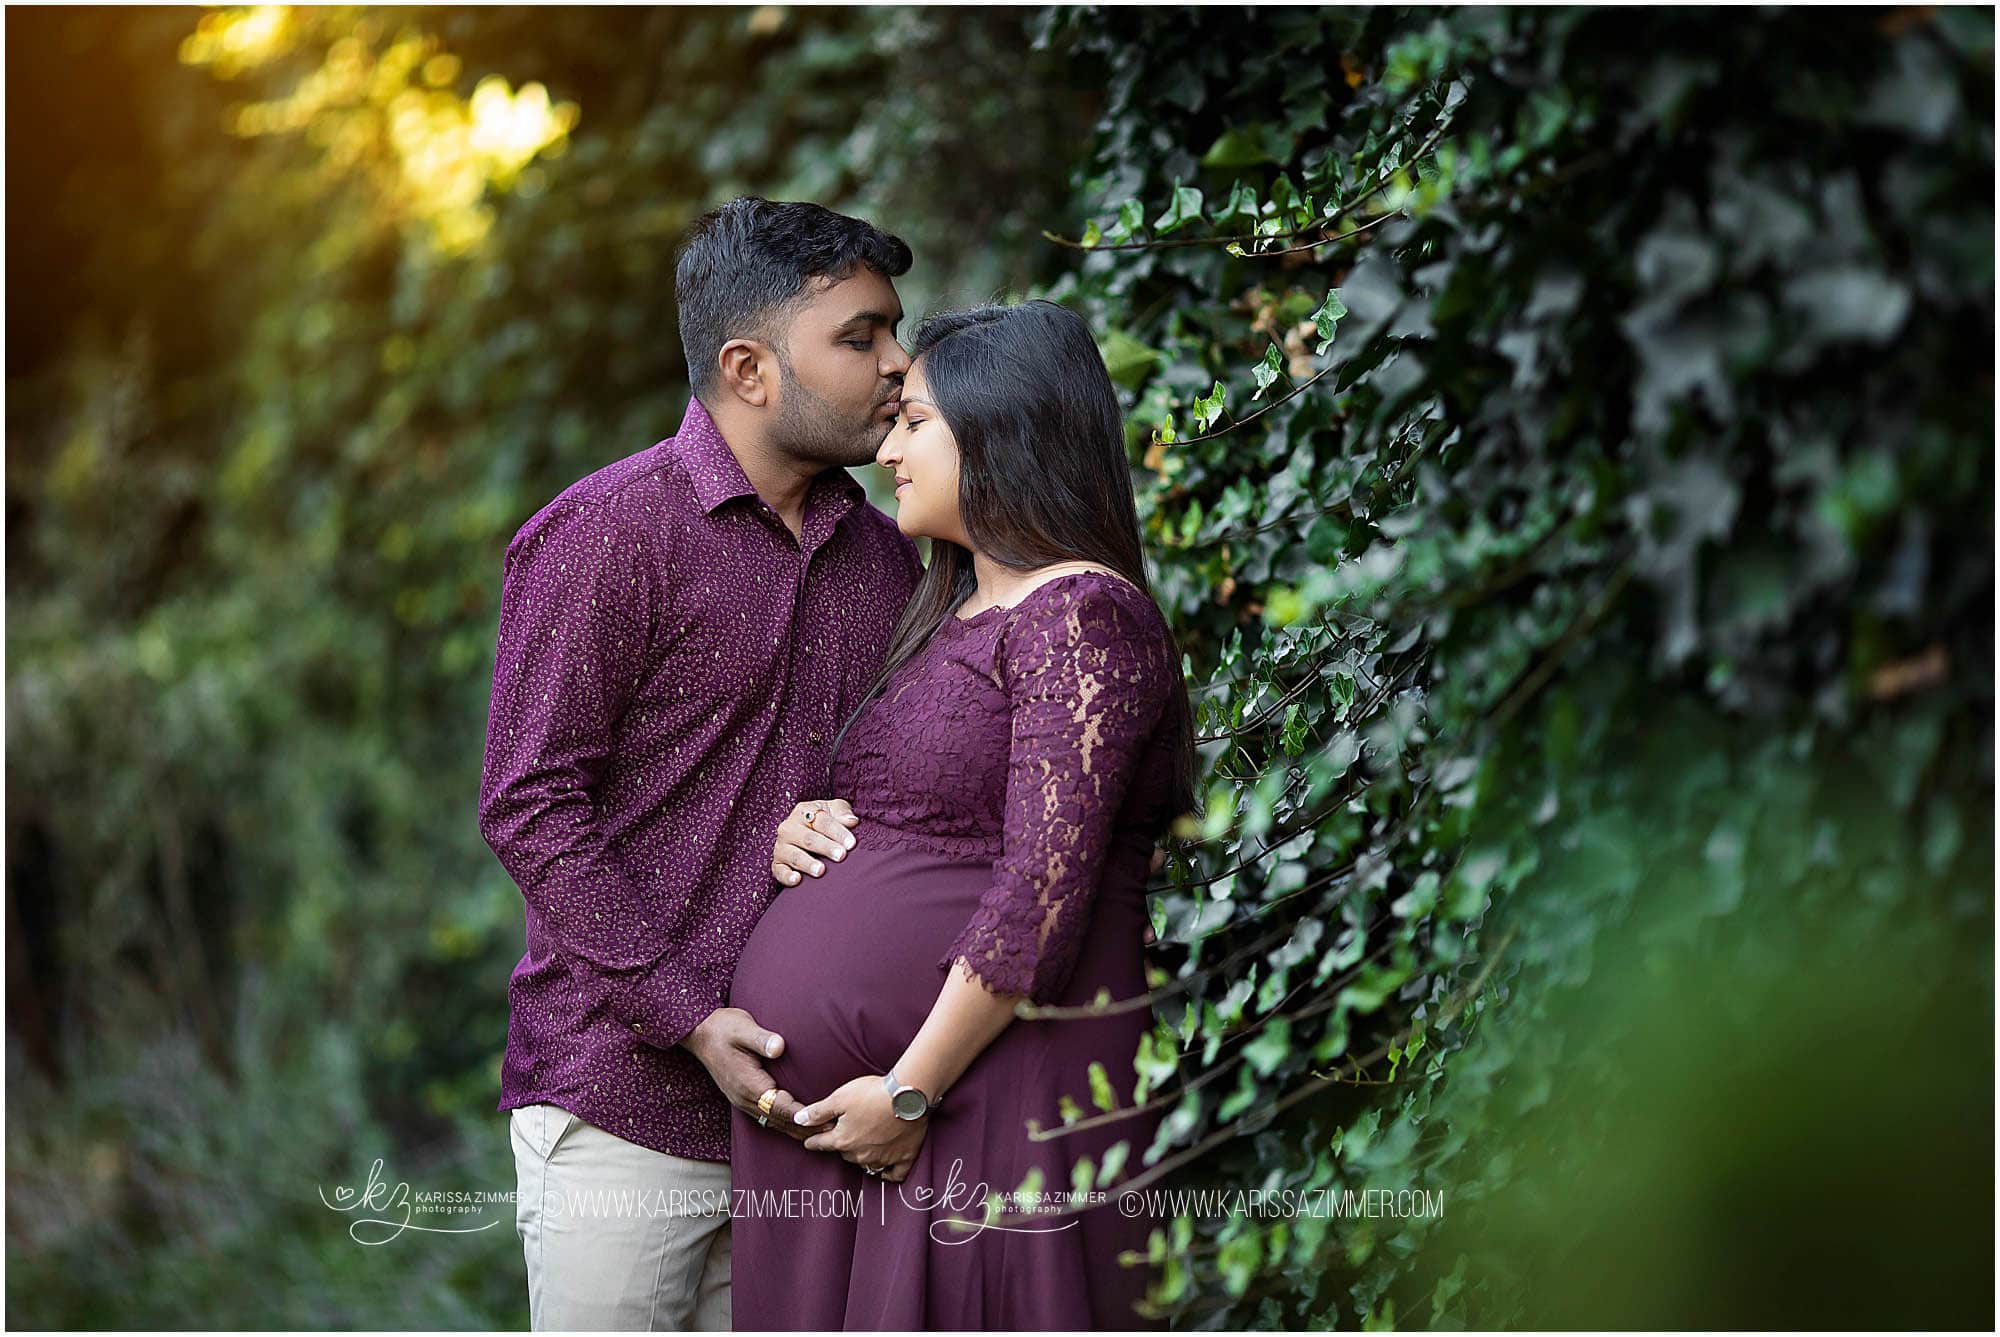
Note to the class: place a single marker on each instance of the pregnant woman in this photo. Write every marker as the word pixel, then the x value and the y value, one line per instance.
pixel 999 792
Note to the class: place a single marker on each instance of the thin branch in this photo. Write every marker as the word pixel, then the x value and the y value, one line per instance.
pixel 1294 393
pixel 1264 717
pixel 1345 206
pixel 1312 1087
pixel 1181 983
pixel 1432 434
pixel 1338 236
pixel 1170 1097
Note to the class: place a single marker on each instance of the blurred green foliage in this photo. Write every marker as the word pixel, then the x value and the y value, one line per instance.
pixel 315 338
pixel 1564 439
pixel 1567 441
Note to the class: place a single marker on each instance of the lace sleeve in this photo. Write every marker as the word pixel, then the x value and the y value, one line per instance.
pixel 1088 678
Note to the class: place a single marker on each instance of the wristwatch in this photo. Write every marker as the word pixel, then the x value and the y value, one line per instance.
pixel 906 1101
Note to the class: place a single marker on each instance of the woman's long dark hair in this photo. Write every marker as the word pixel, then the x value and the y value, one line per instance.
pixel 1042 471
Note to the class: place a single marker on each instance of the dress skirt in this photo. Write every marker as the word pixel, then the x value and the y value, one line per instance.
pixel 844 967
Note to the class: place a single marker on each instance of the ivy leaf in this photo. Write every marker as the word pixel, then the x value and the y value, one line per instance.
pixel 1114 1161
pixel 1850 302
pixel 1091 234
pixel 1130 215
pixel 1244 146
pixel 1240 210
pixel 1238 1261
pixel 1155 1062
pixel 1030 1187
pixel 1185 209
pixel 1284 201
pixel 1101 1094
pixel 1242 1098
pixel 1208 408
pixel 1128 360
pixel 1327 318
pixel 1268 370
pixel 1293 737
pixel 1271 1046
pixel 1418 900
pixel 1080 1177
pixel 1191 521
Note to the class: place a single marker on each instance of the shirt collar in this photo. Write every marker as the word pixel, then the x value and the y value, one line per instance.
pixel 718 477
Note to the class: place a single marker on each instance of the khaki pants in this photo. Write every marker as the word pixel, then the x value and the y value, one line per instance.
pixel 617 1236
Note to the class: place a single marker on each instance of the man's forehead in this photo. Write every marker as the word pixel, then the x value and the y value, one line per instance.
pixel 864 293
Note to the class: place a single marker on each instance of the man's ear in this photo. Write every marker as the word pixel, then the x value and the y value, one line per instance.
pixel 748 370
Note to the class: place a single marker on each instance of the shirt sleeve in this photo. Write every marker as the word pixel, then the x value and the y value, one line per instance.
pixel 575 618
pixel 1088 679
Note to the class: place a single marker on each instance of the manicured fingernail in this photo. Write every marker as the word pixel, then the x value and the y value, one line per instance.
pixel 850 842
pixel 840 854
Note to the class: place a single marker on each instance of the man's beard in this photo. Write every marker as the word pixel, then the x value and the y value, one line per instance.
pixel 811 429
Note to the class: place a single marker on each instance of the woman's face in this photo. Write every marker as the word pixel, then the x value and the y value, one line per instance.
pixel 922 454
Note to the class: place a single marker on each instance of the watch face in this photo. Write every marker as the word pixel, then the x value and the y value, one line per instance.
pixel 908 1103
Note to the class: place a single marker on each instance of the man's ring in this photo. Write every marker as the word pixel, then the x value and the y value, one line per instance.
pixel 765 1102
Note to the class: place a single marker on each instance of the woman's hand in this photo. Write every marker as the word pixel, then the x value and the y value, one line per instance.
pixel 865 1128
pixel 817 827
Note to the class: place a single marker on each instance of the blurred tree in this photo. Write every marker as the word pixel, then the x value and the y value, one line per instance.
pixel 313 309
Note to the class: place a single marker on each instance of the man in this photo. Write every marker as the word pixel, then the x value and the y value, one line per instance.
pixel 681 635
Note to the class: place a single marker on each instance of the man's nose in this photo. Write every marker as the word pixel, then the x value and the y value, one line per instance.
pixel 897 361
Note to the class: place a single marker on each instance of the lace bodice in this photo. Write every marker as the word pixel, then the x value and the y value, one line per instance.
pixel 1036 736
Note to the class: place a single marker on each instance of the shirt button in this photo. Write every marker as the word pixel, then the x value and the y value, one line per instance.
pixel 814 735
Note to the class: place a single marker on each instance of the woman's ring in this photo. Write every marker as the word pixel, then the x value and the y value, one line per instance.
pixel 812 815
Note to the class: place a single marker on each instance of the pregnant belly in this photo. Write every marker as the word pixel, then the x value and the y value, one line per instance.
pixel 844 966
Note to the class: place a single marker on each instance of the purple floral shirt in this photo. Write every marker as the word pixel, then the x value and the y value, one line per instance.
pixel 671 670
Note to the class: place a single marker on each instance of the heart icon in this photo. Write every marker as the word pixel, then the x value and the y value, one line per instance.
pixel 343 1194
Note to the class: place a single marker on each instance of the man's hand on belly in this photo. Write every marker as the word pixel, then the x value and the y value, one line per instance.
pixel 732 1046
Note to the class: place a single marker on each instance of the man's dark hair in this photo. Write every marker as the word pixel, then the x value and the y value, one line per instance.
pixel 745 264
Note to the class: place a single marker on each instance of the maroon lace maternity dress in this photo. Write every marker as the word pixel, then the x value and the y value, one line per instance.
pixel 1010 779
